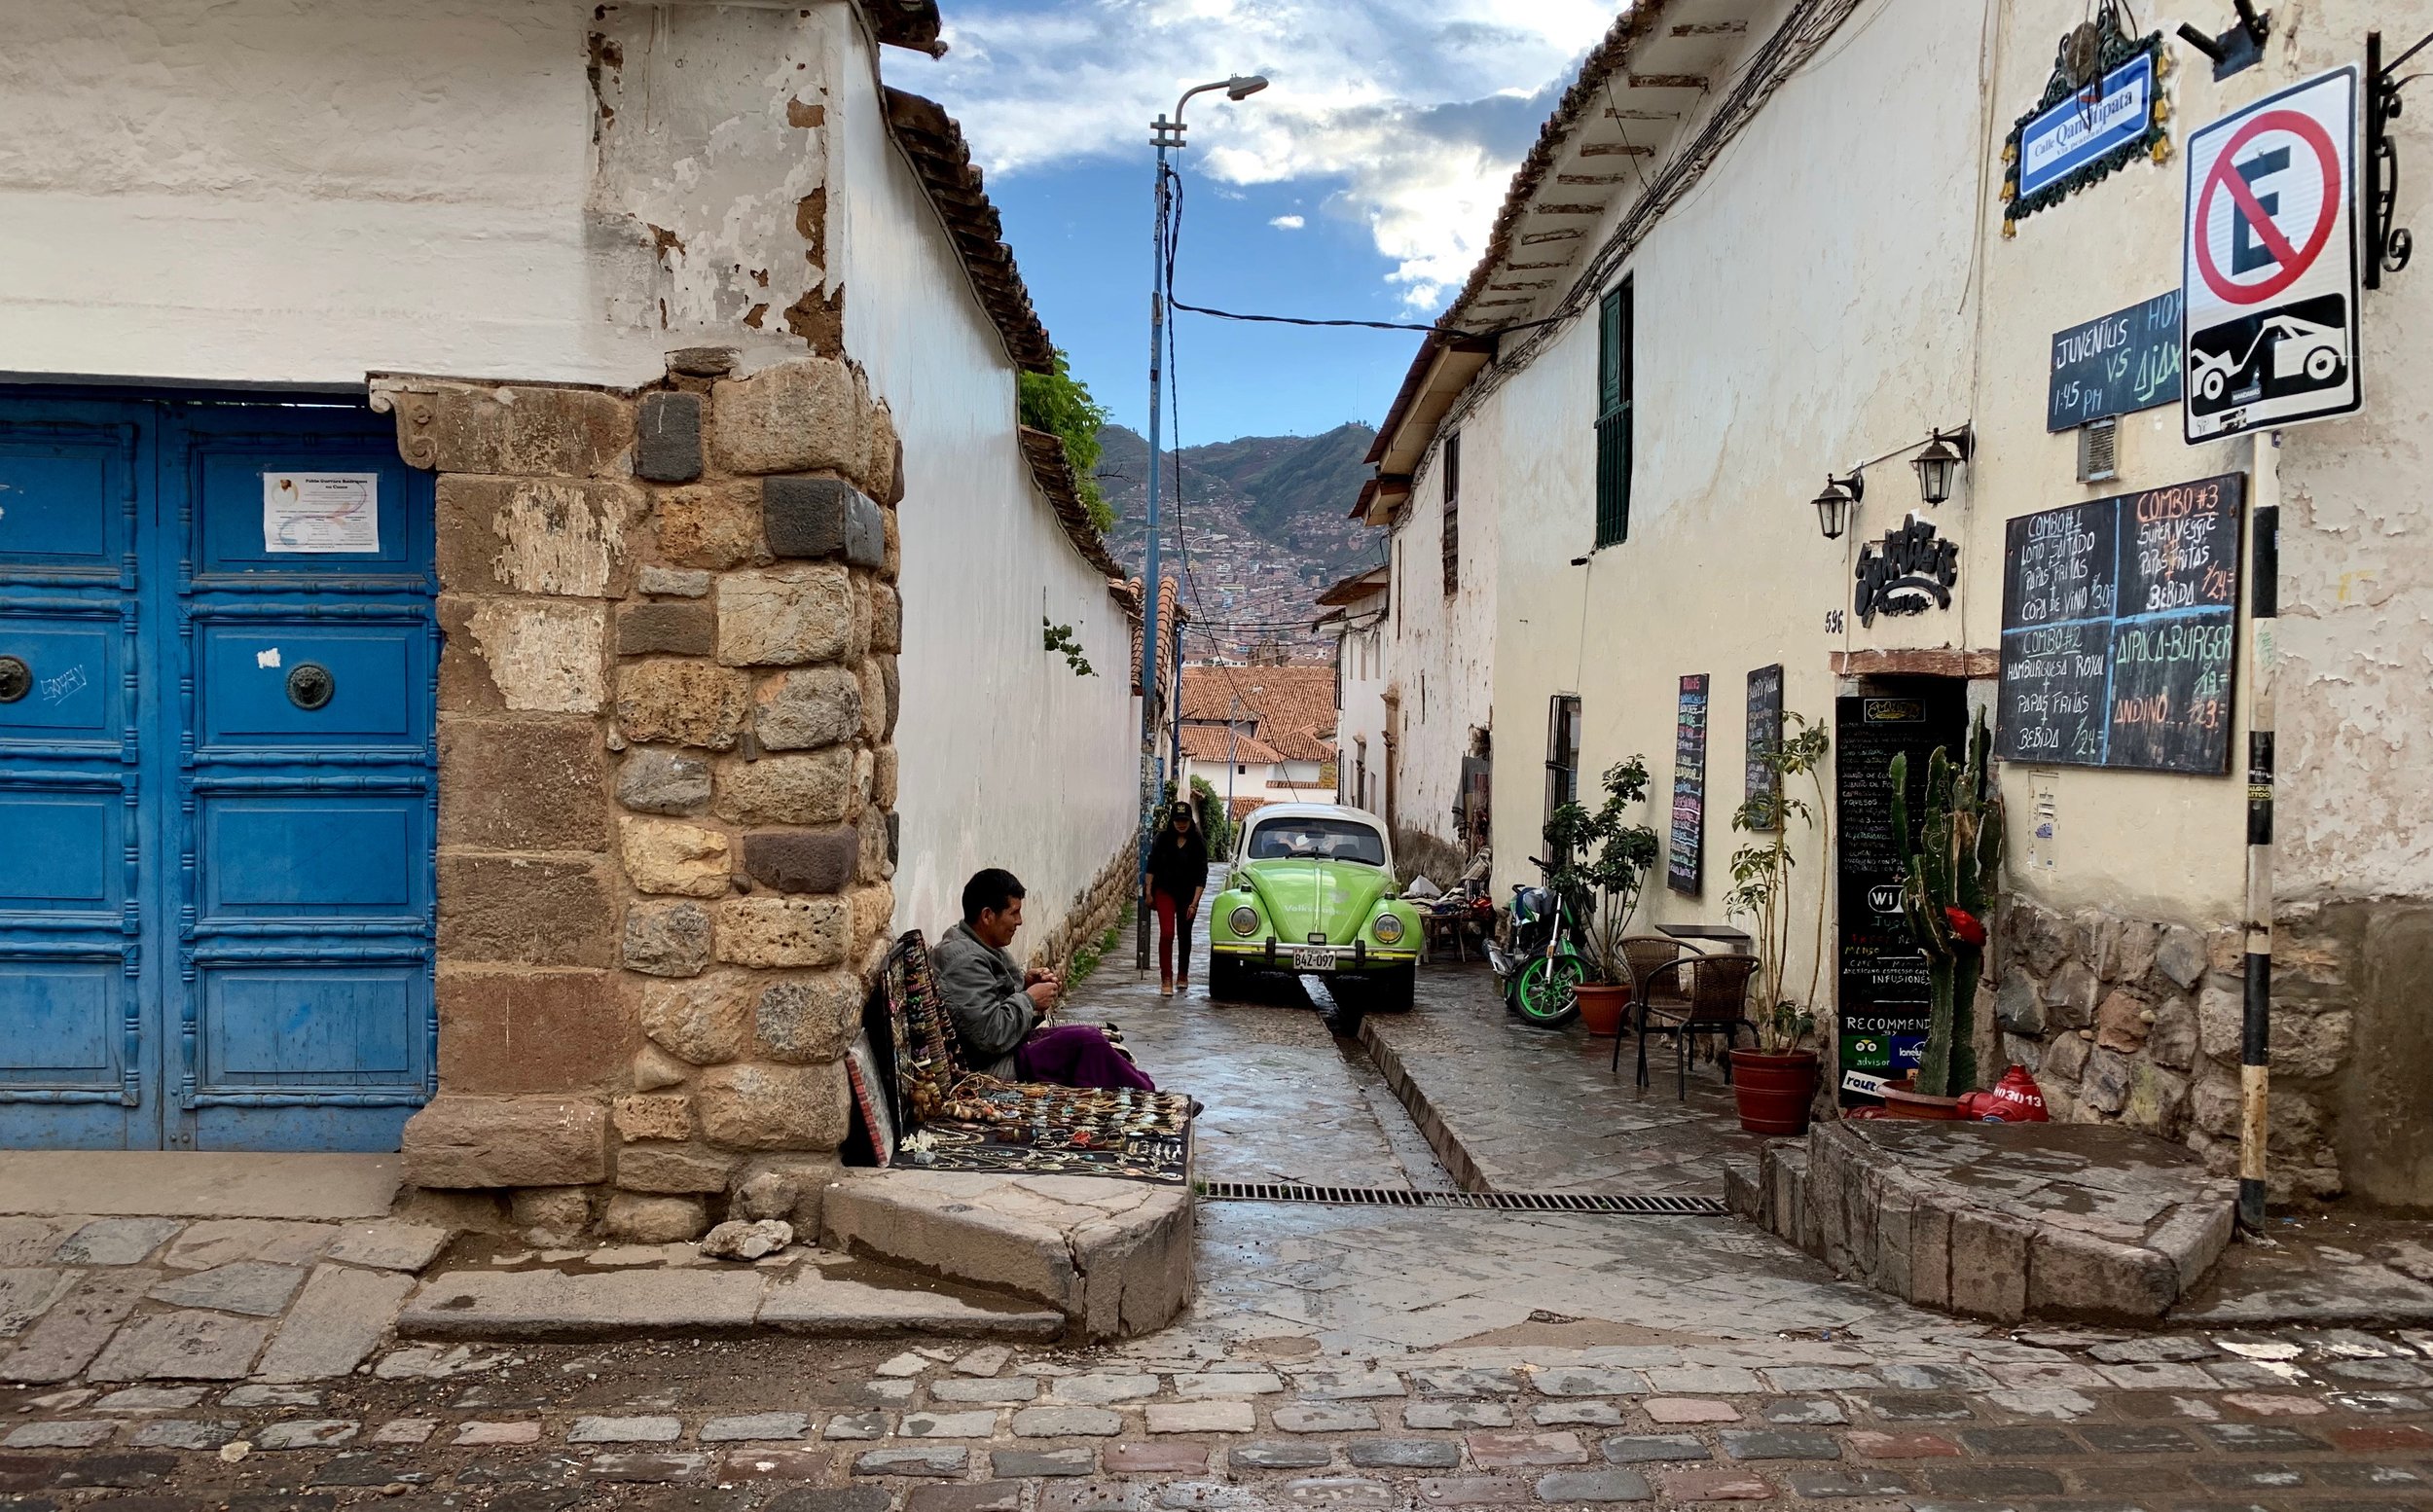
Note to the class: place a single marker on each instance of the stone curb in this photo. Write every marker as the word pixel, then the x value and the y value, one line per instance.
pixel 1443 1138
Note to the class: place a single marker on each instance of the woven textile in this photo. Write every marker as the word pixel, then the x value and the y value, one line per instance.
pixel 927 1060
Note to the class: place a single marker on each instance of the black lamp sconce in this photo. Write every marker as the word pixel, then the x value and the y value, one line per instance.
pixel 2238 47
pixel 1834 506
pixel 1938 461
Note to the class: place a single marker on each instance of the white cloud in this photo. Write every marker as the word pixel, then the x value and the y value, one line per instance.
pixel 1408 116
pixel 1280 221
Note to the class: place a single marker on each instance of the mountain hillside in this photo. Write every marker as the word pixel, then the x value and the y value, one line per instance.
pixel 1267 525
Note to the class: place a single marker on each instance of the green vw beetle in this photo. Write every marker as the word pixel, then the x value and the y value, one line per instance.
pixel 1311 890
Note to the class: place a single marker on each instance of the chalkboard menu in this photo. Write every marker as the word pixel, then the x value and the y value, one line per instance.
pixel 2128 361
pixel 1884 1000
pixel 2120 628
pixel 1758 779
pixel 1684 862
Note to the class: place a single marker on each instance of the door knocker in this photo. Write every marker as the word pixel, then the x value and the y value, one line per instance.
pixel 310 685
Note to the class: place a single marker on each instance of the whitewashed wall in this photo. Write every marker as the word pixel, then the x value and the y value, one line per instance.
pixel 287 191
pixel 1751 384
pixel 1008 759
pixel 1361 711
pixel 1441 651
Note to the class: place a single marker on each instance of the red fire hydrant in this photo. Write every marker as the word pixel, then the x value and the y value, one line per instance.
pixel 2014 1099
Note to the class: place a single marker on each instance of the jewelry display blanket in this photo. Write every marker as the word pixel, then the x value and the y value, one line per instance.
pixel 946 1117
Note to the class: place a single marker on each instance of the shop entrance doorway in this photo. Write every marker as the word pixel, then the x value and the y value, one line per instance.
pixel 1881 971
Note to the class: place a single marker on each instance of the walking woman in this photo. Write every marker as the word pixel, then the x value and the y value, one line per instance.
pixel 1177 871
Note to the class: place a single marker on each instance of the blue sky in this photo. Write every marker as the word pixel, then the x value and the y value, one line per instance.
pixel 1360 185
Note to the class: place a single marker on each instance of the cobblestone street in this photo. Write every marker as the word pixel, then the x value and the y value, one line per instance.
pixel 1336 1356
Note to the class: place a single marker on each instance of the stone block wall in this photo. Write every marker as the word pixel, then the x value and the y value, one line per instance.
pixel 667 783
pixel 2135 1022
pixel 1095 909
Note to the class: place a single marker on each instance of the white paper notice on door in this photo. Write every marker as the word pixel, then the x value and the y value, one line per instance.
pixel 320 512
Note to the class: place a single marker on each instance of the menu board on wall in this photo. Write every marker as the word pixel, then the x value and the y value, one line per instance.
pixel 2120 628
pixel 1686 859
pixel 1883 992
pixel 1758 777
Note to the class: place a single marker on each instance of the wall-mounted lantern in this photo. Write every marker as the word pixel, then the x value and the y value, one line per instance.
pixel 1833 505
pixel 1944 451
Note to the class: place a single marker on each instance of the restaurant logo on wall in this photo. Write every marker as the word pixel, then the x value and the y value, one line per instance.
pixel 1910 571
pixel 2102 109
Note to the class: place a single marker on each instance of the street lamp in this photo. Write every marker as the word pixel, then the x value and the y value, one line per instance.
pixel 1164 133
pixel 1833 505
pixel 1944 451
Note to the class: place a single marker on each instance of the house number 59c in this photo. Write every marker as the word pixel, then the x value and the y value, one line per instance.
pixel 1833 622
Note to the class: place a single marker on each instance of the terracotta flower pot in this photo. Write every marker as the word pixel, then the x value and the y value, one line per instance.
pixel 1601 1006
pixel 1902 1103
pixel 1773 1092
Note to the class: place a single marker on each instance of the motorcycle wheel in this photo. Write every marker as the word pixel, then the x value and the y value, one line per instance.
pixel 1548 992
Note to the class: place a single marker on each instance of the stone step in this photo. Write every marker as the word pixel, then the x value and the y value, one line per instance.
pixel 834 1298
pixel 2083 1223
pixel 1112 1257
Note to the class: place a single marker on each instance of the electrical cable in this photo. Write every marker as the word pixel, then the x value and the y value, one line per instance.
pixel 1432 328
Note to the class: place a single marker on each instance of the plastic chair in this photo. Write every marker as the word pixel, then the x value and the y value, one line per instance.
pixel 1708 995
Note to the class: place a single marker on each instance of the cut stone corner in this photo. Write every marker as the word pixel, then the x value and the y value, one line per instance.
pixel 1112 1256
pixel 2085 1222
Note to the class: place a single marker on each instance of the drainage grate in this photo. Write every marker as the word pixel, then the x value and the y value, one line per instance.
pixel 1499 1201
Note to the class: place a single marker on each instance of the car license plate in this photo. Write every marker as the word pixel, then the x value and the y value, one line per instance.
pixel 1305 958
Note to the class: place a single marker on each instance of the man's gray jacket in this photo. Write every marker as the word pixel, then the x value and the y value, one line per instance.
pixel 984 994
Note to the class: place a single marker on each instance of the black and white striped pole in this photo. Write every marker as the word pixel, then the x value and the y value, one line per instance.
pixel 2255 1057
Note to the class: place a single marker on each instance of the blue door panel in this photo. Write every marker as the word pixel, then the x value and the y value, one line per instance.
pixel 75 658
pixel 66 496
pixel 62 1018
pixel 308 1029
pixel 66 847
pixel 233 535
pixel 216 894
pixel 307 856
pixel 380 681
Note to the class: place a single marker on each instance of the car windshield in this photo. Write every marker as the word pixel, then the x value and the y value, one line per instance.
pixel 1328 840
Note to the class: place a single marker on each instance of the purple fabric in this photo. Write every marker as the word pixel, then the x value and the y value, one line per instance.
pixel 1077 1055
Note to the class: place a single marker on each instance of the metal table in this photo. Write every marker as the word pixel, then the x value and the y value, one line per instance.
pixel 1738 940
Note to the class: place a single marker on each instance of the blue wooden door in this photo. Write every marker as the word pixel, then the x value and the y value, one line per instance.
pixel 217 664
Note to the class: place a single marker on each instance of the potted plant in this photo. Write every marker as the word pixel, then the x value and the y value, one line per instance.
pixel 1602 860
pixel 1774 1083
pixel 1948 889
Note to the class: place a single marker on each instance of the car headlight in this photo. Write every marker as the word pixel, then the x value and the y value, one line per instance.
pixel 1244 919
pixel 1389 929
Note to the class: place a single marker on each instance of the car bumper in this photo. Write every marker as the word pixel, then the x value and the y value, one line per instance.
pixel 1276 956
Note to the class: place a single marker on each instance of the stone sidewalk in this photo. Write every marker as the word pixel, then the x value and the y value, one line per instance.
pixel 2057 1421
pixel 1513 1109
pixel 129 1299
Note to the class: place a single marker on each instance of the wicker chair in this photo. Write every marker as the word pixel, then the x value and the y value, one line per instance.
pixel 1642 954
pixel 1698 994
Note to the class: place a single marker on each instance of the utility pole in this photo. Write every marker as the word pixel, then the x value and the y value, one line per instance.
pixel 1233 733
pixel 1164 133
pixel 2255 1050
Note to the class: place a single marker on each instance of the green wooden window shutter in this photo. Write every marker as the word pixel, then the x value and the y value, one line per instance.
pixel 1613 405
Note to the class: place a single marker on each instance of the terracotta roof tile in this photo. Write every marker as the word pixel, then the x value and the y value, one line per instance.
pixel 941 158
pixel 1293 705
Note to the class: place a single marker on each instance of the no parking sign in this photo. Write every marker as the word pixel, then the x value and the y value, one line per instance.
pixel 2269 264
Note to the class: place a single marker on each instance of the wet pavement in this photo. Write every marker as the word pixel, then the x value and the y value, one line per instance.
pixel 1354 1358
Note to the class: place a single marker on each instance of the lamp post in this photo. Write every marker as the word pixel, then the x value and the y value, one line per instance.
pixel 1164 133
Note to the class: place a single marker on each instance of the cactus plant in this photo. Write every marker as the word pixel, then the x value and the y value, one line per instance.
pixel 1948 891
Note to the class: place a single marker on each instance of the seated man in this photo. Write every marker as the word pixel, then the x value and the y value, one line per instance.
pixel 1000 1009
